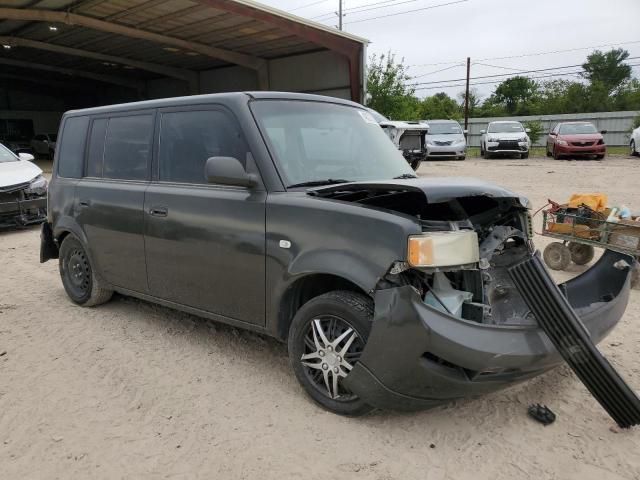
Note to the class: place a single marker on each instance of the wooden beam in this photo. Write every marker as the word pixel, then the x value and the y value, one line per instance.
pixel 188 75
pixel 69 18
pixel 125 82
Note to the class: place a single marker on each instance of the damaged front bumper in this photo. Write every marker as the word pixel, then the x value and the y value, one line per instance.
pixel 23 211
pixel 419 357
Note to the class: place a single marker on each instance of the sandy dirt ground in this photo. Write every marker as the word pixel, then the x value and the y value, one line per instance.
pixel 132 390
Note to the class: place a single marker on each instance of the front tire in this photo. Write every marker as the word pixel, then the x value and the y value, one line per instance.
pixel 556 155
pixel 326 339
pixel 524 155
pixel 415 164
pixel 78 277
pixel 632 149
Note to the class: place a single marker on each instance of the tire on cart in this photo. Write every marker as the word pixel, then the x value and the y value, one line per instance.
pixel 581 254
pixel 557 256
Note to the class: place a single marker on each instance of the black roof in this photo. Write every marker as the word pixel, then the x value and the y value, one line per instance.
pixel 209 98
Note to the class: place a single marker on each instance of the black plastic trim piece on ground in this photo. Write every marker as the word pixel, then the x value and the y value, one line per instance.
pixel 556 317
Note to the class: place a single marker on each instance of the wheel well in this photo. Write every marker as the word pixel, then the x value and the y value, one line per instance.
pixel 305 289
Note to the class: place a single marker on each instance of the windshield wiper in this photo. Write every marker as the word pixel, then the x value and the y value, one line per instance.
pixel 319 183
pixel 405 175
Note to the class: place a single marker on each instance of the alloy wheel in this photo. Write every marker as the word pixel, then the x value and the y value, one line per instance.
pixel 332 347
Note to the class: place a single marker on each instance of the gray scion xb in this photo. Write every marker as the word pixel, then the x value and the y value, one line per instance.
pixel 293 215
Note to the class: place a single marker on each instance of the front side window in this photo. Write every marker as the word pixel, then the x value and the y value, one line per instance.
pixel 127 147
pixel 505 127
pixel 189 138
pixel 71 154
pixel 318 141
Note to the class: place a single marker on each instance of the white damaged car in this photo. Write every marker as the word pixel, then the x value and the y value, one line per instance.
pixel 407 136
pixel 505 137
pixel 23 190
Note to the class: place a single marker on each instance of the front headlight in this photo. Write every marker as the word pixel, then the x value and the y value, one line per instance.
pixel 443 249
pixel 38 186
pixel 562 142
pixel 523 139
pixel 429 144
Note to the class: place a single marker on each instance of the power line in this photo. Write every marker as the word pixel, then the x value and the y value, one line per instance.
pixel 308 5
pixel 434 87
pixel 529 54
pixel 506 74
pixel 498 66
pixel 408 11
pixel 437 71
pixel 365 7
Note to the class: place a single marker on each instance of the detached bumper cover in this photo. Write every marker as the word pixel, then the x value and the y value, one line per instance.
pixel 418 357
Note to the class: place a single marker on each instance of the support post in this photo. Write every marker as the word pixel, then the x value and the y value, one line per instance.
pixel 466 95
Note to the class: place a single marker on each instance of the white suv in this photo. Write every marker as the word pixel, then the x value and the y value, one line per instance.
pixel 505 137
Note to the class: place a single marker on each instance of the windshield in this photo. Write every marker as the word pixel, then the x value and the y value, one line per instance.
pixel 444 129
pixel 577 128
pixel 505 127
pixel 317 141
pixel 7 155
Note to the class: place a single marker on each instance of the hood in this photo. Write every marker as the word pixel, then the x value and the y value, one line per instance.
pixel 434 189
pixel 17 173
pixel 582 137
pixel 507 135
pixel 400 125
pixel 452 137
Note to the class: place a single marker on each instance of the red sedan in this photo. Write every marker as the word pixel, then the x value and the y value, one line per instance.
pixel 573 139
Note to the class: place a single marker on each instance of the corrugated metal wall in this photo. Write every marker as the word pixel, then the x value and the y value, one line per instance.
pixel 617 124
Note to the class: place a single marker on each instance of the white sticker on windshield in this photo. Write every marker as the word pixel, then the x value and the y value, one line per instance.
pixel 367 117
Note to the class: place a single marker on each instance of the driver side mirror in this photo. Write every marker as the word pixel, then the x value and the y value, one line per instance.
pixel 527 130
pixel 603 132
pixel 483 131
pixel 228 171
pixel 465 131
pixel 552 134
pixel 26 156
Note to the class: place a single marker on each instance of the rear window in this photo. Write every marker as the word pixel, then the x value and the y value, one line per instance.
pixel 71 154
pixel 127 148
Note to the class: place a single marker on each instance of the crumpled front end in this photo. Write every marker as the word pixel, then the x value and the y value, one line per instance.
pixel 419 356
pixel 19 206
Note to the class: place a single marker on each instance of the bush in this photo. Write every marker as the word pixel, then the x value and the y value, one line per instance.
pixel 536 130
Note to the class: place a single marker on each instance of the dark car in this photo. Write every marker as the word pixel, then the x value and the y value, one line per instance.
pixel 576 139
pixel 294 216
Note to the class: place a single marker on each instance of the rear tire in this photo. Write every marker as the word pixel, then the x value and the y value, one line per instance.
pixel 78 277
pixel 557 256
pixel 581 254
pixel 315 348
pixel 632 149
pixel 415 164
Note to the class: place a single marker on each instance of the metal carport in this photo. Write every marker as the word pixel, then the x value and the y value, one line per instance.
pixel 61 54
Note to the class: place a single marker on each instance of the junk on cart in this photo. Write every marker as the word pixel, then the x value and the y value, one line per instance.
pixel 586 222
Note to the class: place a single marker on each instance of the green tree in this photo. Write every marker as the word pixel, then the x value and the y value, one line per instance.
pixel 607 70
pixel 536 130
pixel 517 95
pixel 474 101
pixel 387 88
pixel 439 106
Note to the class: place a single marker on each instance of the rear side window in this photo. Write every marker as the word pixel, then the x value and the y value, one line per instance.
pixel 127 147
pixel 71 155
pixel 95 154
pixel 188 139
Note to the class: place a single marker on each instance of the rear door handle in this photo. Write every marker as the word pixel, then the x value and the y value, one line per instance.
pixel 159 211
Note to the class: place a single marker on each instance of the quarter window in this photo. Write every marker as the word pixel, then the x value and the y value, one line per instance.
pixel 127 148
pixel 71 155
pixel 188 139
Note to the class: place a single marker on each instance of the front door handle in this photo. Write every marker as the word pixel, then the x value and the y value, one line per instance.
pixel 159 211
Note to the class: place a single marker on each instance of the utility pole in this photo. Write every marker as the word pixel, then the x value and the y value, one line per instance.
pixel 340 15
pixel 466 96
